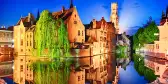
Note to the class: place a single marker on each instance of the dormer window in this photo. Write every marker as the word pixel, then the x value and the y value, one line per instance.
pixel 75 22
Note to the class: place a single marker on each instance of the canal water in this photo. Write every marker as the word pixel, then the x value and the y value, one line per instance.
pixel 130 75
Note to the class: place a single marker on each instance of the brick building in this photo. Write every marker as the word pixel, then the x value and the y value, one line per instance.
pixel 6 44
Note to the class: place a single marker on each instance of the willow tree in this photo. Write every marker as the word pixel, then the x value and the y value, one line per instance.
pixel 51 41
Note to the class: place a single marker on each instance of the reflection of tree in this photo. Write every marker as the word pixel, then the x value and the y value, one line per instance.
pixel 141 69
pixel 122 55
pixel 121 51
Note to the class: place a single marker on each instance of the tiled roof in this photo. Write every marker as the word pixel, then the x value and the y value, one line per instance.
pixel 2 28
pixel 10 28
pixel 26 21
pixel 64 14
pixel 162 21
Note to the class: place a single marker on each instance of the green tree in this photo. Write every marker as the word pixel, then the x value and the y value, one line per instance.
pixel 51 36
pixel 145 34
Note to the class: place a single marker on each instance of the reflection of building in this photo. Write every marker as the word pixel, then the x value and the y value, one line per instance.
pixel 99 36
pixel 123 40
pixel 91 48
pixel 6 44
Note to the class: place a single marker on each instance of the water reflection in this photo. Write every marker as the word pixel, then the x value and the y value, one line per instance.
pixel 123 59
pixel 159 66
pixel 6 57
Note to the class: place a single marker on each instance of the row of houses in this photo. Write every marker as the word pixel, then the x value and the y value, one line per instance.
pixel 91 44
pixel 156 54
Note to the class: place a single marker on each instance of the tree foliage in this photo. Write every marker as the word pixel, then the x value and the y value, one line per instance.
pixel 145 34
pixel 141 69
pixel 120 51
pixel 51 41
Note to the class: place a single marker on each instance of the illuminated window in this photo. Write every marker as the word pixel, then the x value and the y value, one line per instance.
pixel 21 42
pixel 78 32
pixel 21 50
pixel 75 22
pixel 27 43
pixel 82 33
pixel 78 78
pixel 30 43
pixel 21 68
pixel 82 77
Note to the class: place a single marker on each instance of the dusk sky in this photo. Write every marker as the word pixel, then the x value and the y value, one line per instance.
pixel 132 13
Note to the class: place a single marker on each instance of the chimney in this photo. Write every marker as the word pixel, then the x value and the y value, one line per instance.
pixel 63 9
pixel 29 17
pixel 94 23
pixel 102 17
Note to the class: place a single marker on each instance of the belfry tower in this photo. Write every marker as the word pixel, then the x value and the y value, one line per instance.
pixel 114 16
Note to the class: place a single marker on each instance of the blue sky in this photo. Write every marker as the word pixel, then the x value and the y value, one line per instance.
pixel 132 13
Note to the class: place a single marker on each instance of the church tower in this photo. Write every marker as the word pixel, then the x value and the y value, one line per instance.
pixel 114 16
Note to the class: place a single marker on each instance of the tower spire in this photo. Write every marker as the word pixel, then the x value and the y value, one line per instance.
pixel 38 15
pixel 71 3
pixel 167 12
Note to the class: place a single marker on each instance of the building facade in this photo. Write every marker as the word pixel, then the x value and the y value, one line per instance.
pixel 23 45
pixel 6 44
pixel 91 48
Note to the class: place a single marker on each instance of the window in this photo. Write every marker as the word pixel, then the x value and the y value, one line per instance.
pixel 21 79
pixel 30 43
pixel 7 35
pixel 21 50
pixel 21 68
pixel 78 32
pixel 78 78
pixel 21 42
pixel 75 22
pixel 157 69
pixel 82 77
pixel 157 46
pixel 82 40
pixel 27 67
pixel 82 33
pixel 27 43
